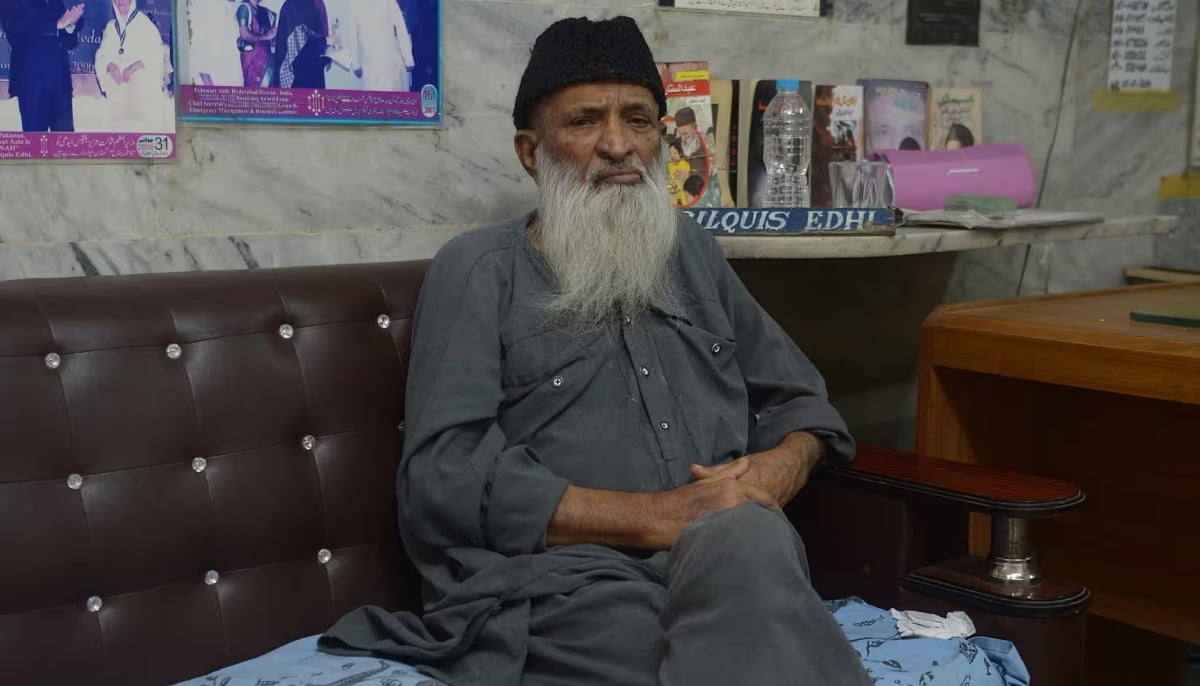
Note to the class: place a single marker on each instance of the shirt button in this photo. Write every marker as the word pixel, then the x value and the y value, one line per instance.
pixel 664 426
pixel 716 348
pixel 645 372
pixel 558 381
pixel 628 319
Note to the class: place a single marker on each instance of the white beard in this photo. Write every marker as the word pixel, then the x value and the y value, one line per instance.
pixel 608 246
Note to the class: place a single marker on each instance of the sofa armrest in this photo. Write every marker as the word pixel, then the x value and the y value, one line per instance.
pixel 892 527
pixel 976 487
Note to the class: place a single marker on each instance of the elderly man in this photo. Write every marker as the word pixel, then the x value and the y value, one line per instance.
pixel 603 424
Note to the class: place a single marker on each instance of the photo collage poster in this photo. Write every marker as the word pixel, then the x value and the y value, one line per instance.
pixel 107 79
pixel 344 62
pixel 92 80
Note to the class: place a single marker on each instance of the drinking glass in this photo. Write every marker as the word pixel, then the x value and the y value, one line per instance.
pixel 862 184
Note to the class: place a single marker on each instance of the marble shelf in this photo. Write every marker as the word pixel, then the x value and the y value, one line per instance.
pixel 916 240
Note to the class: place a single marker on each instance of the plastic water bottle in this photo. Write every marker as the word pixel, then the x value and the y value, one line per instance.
pixel 787 129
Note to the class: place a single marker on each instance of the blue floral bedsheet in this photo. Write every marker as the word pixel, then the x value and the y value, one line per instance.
pixel 890 660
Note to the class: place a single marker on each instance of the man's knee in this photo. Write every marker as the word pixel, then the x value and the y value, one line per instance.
pixel 747 540
pixel 747 526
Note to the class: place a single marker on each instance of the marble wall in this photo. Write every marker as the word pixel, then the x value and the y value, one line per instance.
pixel 240 197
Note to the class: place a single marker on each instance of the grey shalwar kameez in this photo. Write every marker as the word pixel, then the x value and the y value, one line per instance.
pixel 504 412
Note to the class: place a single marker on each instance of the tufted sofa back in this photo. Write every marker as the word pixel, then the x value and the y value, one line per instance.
pixel 196 468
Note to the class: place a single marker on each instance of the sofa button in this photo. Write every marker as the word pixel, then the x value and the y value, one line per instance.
pixel 308 442
pixel 174 351
pixel 94 603
pixel 53 360
pixel 74 482
pixel 383 321
pixel 324 556
pixel 211 577
pixel 199 465
pixel 286 331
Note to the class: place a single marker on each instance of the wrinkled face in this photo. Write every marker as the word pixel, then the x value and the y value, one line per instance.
pixel 892 118
pixel 600 124
pixel 605 224
pixel 687 132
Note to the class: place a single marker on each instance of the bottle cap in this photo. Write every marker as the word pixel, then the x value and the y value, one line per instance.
pixel 788 84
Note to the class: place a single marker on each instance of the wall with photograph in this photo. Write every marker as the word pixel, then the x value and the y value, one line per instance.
pixel 317 62
pixel 109 72
pixel 240 197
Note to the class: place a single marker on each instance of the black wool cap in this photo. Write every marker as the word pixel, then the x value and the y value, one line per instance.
pixel 579 50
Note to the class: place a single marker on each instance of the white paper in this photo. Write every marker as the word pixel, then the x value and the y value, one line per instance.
pixel 955 625
pixel 1023 219
pixel 797 8
pixel 1143 43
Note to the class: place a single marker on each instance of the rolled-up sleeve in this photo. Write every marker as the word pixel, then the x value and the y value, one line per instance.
pixel 461 483
pixel 785 390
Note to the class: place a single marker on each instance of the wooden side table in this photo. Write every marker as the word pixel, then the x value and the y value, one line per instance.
pixel 1067 386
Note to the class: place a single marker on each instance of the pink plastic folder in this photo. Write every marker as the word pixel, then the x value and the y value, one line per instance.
pixel 925 178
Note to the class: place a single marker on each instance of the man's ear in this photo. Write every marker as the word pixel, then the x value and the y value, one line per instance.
pixel 525 143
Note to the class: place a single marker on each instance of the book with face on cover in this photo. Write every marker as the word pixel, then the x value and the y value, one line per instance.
pixel 690 134
pixel 955 118
pixel 896 113
pixel 837 135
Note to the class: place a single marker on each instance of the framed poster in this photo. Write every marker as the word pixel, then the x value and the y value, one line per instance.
pixel 942 22
pixel 86 81
pixel 311 61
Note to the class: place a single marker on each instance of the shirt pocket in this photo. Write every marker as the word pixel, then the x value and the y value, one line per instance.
pixel 544 378
pixel 538 358
pixel 707 335
pixel 709 350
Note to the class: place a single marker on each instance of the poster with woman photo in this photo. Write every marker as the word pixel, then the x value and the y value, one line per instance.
pixel 86 80
pixel 311 61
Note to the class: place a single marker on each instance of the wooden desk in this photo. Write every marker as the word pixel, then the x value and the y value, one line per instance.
pixel 1069 387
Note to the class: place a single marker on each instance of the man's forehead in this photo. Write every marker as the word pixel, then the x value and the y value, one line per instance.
pixel 603 95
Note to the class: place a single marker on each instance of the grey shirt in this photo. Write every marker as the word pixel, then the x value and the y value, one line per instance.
pixel 503 412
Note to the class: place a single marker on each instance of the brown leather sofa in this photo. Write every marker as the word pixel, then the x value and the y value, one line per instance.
pixel 197 468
